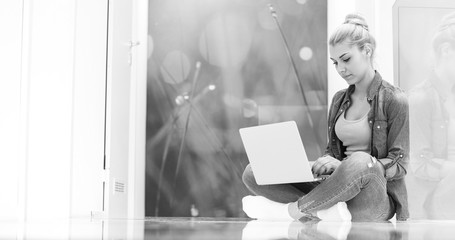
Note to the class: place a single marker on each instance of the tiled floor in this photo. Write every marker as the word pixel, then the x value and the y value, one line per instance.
pixel 210 228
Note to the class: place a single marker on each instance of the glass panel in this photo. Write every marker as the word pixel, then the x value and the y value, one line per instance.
pixel 218 65
pixel 426 60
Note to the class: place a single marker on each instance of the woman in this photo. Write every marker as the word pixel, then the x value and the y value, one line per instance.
pixel 432 113
pixel 368 146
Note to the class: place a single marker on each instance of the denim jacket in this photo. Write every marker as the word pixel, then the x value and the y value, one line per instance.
pixel 389 121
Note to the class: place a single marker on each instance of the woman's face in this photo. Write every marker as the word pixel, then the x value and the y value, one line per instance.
pixel 350 62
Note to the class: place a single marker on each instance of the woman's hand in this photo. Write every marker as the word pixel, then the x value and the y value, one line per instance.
pixel 325 165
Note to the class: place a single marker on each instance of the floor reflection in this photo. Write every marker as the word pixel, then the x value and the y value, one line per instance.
pixel 162 228
pixel 230 228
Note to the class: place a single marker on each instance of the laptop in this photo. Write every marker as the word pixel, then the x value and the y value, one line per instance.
pixel 276 154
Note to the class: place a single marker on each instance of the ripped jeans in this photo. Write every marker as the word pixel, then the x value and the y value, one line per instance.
pixel 358 181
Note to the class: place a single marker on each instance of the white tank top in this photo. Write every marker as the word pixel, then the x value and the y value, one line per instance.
pixel 355 134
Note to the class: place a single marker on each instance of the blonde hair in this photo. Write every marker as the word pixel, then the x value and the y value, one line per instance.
pixel 355 31
pixel 445 33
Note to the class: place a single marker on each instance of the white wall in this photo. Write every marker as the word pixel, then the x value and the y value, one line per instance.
pixel 378 14
pixel 52 100
pixel 47 69
pixel 88 107
pixel 62 108
pixel 10 89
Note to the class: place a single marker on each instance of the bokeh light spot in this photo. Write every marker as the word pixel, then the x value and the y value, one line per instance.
pixel 306 53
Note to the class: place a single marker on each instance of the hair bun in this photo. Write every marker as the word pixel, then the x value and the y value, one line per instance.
pixel 356 19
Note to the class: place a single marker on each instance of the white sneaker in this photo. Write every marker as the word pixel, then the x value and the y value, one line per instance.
pixel 338 212
pixel 262 208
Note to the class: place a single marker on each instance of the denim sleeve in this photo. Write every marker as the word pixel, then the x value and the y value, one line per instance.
pixel 397 110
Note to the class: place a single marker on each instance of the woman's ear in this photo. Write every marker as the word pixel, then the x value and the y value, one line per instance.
pixel 367 50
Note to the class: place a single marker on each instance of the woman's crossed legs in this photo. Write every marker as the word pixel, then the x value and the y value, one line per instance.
pixel 359 181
